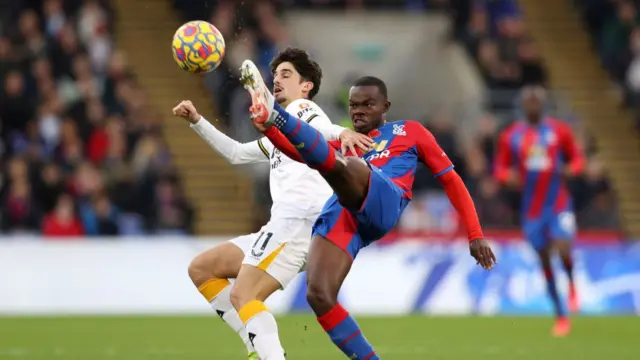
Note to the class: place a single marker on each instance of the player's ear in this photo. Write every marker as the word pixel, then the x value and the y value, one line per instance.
pixel 387 105
pixel 307 86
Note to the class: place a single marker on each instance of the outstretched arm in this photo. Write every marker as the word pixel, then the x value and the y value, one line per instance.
pixel 432 155
pixel 235 152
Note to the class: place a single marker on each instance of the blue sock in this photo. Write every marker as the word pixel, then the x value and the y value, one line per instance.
pixel 311 145
pixel 345 333
pixel 553 292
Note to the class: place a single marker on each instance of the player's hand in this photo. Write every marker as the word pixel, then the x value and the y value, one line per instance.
pixel 255 109
pixel 513 180
pixel 187 111
pixel 481 251
pixel 351 139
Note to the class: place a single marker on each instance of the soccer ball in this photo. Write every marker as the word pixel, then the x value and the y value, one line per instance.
pixel 198 47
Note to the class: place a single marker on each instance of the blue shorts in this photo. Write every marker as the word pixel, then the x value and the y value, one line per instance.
pixel 352 230
pixel 541 231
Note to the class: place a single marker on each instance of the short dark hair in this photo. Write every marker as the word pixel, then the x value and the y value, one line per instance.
pixel 308 69
pixel 372 81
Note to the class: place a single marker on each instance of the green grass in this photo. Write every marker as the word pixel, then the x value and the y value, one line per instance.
pixel 395 338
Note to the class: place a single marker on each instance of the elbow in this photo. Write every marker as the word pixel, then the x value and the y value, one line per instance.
pixel 449 177
pixel 235 160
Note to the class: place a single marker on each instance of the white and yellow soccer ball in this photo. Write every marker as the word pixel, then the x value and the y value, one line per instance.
pixel 198 47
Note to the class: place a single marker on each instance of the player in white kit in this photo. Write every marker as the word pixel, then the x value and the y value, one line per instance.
pixel 268 260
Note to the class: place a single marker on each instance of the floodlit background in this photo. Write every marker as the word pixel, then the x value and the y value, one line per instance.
pixel 105 197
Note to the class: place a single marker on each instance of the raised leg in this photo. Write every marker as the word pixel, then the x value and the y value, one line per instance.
pixel 348 176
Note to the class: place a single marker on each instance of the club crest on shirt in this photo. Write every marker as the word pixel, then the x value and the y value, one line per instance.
pixel 305 109
pixel 398 129
pixel 379 146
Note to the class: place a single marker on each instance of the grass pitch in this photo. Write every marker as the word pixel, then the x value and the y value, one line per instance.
pixel 395 338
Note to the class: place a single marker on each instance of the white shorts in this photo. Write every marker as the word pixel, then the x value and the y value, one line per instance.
pixel 280 248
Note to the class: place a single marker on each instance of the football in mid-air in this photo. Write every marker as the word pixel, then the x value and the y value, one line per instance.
pixel 198 47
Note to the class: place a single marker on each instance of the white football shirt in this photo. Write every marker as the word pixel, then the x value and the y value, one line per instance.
pixel 298 191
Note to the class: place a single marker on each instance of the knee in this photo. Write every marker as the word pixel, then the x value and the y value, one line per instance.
pixel 239 298
pixel 357 176
pixel 565 253
pixel 195 272
pixel 357 170
pixel 321 298
pixel 201 270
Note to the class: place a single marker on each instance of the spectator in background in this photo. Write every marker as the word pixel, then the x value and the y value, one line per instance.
pixel 601 210
pixel 532 69
pixel 492 210
pixel 50 186
pixel 73 114
pixel 616 32
pixel 62 221
pixel 172 214
pixel 20 208
pixel 99 216
pixel 632 67
pixel 496 36
pixel 16 106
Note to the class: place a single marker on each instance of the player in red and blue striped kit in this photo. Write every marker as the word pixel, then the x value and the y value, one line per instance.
pixel 369 195
pixel 537 155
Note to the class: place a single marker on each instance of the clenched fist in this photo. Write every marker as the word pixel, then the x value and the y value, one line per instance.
pixel 187 111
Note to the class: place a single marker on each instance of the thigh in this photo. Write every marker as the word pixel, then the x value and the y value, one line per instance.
pixel 280 249
pixel 338 226
pixel 351 183
pixel 327 265
pixel 562 226
pixel 382 207
pixel 535 233
pixel 222 261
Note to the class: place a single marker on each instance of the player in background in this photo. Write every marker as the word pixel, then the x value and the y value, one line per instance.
pixel 369 196
pixel 268 260
pixel 536 155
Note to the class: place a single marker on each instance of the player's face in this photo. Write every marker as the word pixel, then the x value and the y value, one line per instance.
pixel 288 85
pixel 533 100
pixel 367 108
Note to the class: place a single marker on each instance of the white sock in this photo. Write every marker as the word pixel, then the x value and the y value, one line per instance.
pixel 263 332
pixel 221 303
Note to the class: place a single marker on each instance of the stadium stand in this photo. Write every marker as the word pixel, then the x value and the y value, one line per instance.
pixel 82 152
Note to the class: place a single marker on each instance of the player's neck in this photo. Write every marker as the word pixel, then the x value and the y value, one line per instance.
pixel 534 120
pixel 286 103
pixel 289 102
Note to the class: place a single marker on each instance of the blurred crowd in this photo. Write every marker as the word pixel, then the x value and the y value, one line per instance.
pixel 494 34
pixel 614 26
pixel 81 151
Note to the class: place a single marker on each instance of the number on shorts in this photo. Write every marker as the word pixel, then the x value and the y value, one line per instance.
pixel 264 238
pixel 567 222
